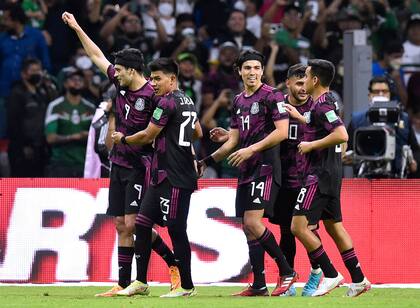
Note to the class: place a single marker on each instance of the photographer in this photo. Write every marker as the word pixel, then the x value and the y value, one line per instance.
pixel 379 89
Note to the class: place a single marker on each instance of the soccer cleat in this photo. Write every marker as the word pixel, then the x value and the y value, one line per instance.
pixel 135 288
pixel 328 284
pixel 356 289
pixel 290 292
pixel 250 291
pixel 175 277
pixel 284 283
pixel 110 293
pixel 180 292
pixel 312 284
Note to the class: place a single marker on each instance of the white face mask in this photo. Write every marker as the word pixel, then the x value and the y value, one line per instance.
pixel 166 9
pixel 240 5
pixel 84 62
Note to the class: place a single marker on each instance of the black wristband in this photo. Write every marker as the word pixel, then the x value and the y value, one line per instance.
pixel 123 141
pixel 209 161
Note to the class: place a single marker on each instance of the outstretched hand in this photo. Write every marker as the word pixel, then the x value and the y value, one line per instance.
pixel 219 134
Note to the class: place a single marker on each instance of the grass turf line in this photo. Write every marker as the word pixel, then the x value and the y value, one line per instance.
pixel 51 297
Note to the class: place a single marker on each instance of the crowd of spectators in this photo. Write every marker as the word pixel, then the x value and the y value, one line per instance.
pixel 49 87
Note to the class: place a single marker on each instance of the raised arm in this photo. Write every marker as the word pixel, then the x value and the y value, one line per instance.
pixel 92 50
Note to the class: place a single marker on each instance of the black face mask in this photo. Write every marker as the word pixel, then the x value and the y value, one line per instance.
pixel 75 91
pixel 34 79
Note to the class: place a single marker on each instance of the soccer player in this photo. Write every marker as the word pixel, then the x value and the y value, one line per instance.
pixel 297 101
pixel 173 127
pixel 259 123
pixel 130 170
pixel 319 197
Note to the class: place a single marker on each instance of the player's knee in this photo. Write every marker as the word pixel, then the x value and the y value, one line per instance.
pixel 130 227
pixel 120 225
pixel 297 230
pixel 250 227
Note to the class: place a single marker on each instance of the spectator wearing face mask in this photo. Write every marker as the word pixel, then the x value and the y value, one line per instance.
pixel 28 150
pixel 67 124
pixel 186 40
pixel 388 64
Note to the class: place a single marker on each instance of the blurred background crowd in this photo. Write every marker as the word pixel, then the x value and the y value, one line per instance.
pixel 49 88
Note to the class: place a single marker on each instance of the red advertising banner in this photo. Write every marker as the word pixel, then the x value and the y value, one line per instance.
pixel 55 230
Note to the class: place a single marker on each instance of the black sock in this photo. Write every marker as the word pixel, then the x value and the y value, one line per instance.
pixel 320 256
pixel 160 247
pixel 353 266
pixel 256 257
pixel 288 245
pixel 182 252
pixel 125 257
pixel 314 264
pixel 143 249
pixel 268 242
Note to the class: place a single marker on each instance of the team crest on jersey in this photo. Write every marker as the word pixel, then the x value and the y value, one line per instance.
pixel 139 105
pixel 255 108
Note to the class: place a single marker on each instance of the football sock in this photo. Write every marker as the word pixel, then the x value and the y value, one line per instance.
pixel 314 264
pixel 320 257
pixel 182 252
pixel 143 248
pixel 125 257
pixel 160 247
pixel 256 257
pixel 268 242
pixel 353 266
pixel 288 245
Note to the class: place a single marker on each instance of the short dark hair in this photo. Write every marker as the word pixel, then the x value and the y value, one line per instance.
pixel 297 70
pixel 130 58
pixel 237 11
pixel 16 12
pixel 166 65
pixel 28 62
pixel 378 79
pixel 323 69
pixel 184 17
pixel 249 55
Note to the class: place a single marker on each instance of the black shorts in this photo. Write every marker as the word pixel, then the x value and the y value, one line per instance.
pixel 283 208
pixel 317 206
pixel 165 205
pixel 126 190
pixel 260 194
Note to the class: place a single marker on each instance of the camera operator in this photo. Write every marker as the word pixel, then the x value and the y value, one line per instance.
pixel 379 90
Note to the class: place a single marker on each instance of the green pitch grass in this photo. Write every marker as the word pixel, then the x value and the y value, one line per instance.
pixel 51 297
